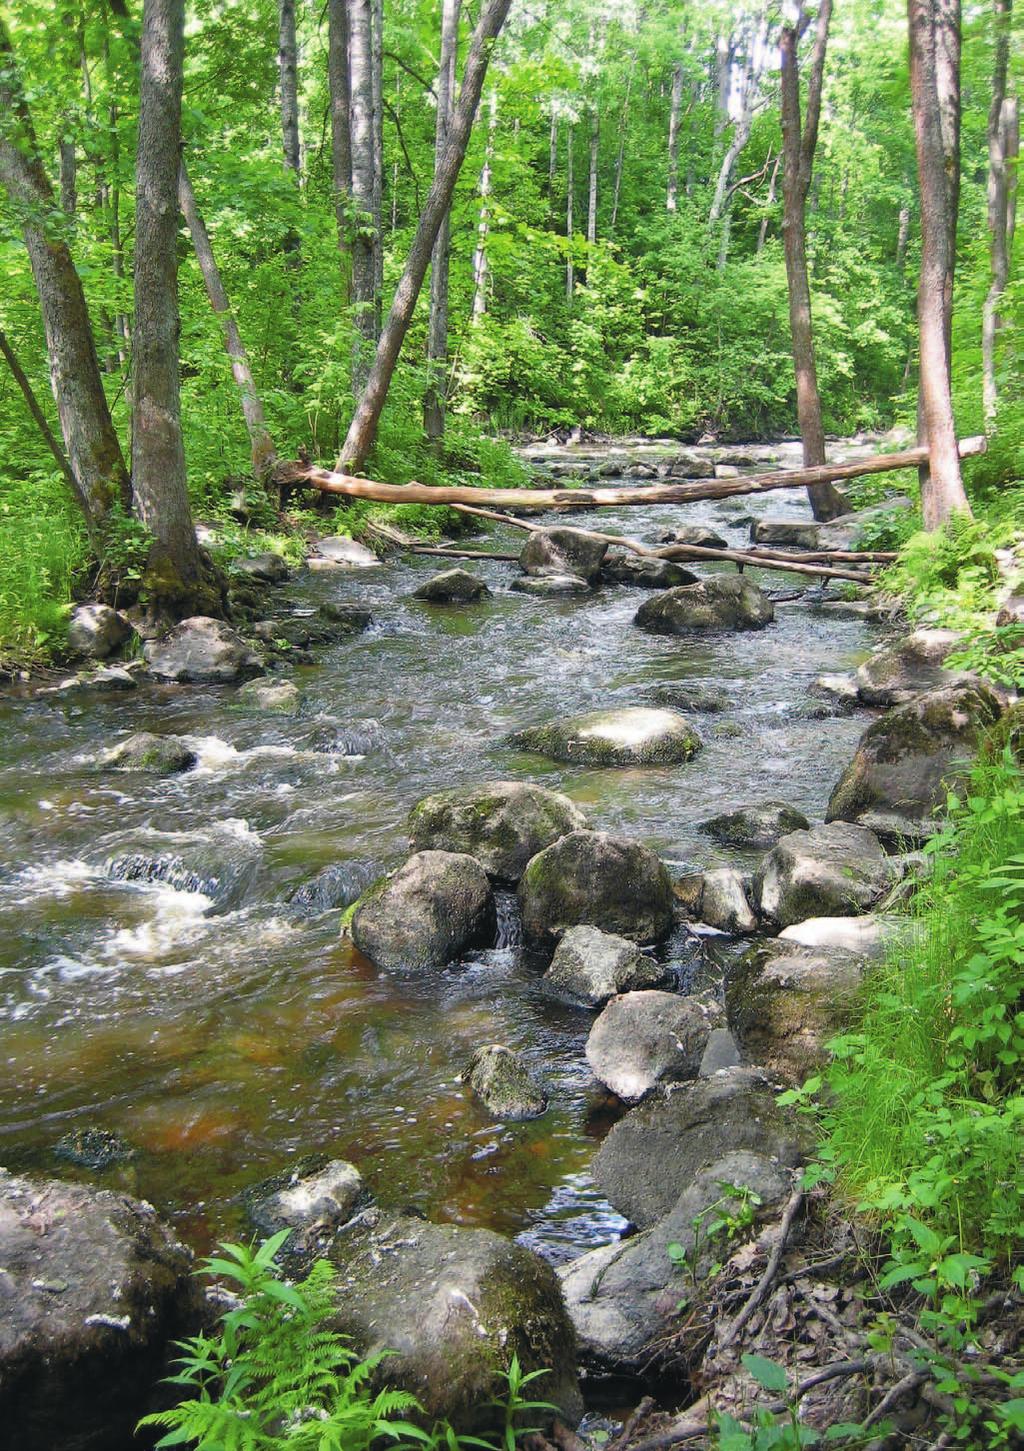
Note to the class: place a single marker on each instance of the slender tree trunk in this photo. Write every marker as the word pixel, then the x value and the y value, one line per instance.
pixel 377 93
pixel 437 327
pixel 264 455
pixel 288 83
pixel 41 421
pixel 621 153
pixel 364 246
pixel 1001 126
pixel 341 141
pixel 570 186
pixel 93 450
pixel 902 238
pixel 935 101
pixel 68 175
pixel 363 427
pixel 674 119
pixel 176 573
pixel 481 269
pixel 762 231
pixel 552 159
pixel 799 140
pixel 595 143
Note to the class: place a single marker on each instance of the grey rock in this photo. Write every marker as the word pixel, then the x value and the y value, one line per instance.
pixel 353 618
pixel 645 1039
pixel 281 697
pixel 500 823
pixel 690 466
pixel 657 1151
pixel 339 550
pixel 597 879
pixel 452 586
pixel 455 1304
pixel 335 886
pixel 721 602
pixel 563 551
pixel 590 966
pixel 553 585
pixel 643 572
pixel 724 904
pixel 202 651
pixel 269 568
pixel 698 534
pixel 760 825
pixel 867 936
pixel 159 755
pixel 1011 611
pixel 96 631
pixel 428 912
pixel 836 870
pixel 691 695
pixel 633 736
pixel 896 673
pixel 504 1084
pixel 720 1053
pixel 313 1204
pixel 796 533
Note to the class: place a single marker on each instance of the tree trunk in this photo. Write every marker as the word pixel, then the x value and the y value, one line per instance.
pixel 762 231
pixel 377 94
pixel 288 80
pixel 798 145
pixel 93 450
pixel 341 141
pixel 364 245
pixel 363 427
pixel 935 100
pixel 570 184
pixel 481 269
pixel 675 116
pixel 177 573
pixel 1001 118
pixel 595 142
pixel 264 455
pixel 437 327
pixel 902 238
pixel 42 422
pixel 621 153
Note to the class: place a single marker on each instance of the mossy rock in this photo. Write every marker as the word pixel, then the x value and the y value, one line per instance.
pixel 500 823
pixel 600 880
pixel 436 906
pixel 504 1084
pixel 635 736
pixel 720 602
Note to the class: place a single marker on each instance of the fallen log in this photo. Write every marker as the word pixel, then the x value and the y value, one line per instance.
pixel 685 492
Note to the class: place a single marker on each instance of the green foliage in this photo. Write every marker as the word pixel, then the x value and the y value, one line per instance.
pixel 949 576
pixel 45 551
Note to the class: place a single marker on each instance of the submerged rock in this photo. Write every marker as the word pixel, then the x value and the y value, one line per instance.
pixel 93 1148
pixel 657 1151
pixel 279 696
pixel 691 695
pixel 830 871
pixel 623 567
pixel 633 736
pixel 455 1304
pixel 202 651
pixel 96 631
pixel 907 761
pixel 159 755
pixel 220 861
pixel 452 586
pixel 335 886
pixel 313 1200
pixel 428 912
pixel 645 1039
pixel 563 551
pixel 760 825
pixel 590 966
pixel 504 1084
pixel 550 584
pixel 896 673
pixel 594 878
pixel 500 823
pixel 785 1002
pixel 95 1289
pixel 720 602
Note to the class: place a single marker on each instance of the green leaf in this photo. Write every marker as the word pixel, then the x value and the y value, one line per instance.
pixel 768 1374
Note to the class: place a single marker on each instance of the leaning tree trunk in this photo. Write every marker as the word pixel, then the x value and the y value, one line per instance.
pixel 798 145
pixel 179 580
pixel 364 248
pixel 93 450
pixel 935 101
pixel 1003 143
pixel 264 455
pixel 363 427
pixel 341 140
pixel 437 327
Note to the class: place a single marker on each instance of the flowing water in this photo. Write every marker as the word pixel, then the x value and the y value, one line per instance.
pixel 154 980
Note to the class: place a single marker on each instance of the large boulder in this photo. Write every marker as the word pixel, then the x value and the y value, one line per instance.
pixel 564 551
pixel 907 760
pixel 758 826
pixel 452 586
pixel 438 904
pixel 622 566
pixel 590 966
pixel 96 631
pixel 504 1084
pixel 94 1289
pixel 202 651
pixel 645 1039
pixel 594 878
pixel 897 672
pixel 830 871
pixel 784 1002
pixel 501 823
pixel 633 736
pixel 721 602
pixel 623 1297
pixel 456 1305
pixel 144 751
pixel 267 568
pixel 658 1149
pixel 699 534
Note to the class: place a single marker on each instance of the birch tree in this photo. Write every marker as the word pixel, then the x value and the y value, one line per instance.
pixel 1003 150
pixel 437 327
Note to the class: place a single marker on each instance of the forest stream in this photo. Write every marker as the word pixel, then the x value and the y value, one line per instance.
pixel 155 980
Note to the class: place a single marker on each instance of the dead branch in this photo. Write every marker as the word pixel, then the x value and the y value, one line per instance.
pixel 764 1284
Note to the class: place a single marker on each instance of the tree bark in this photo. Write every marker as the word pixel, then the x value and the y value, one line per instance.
pixel 621 153
pixel 799 140
pixel 92 446
pixel 363 427
pixel 481 269
pixel 437 327
pixel 935 101
pixel 364 245
pixel 341 140
pixel 1002 129
pixel 288 82
pixel 264 455
pixel 570 187
pixel 674 119
pixel 377 93
pixel 552 158
pixel 177 571
pixel 41 421
pixel 595 142
pixel 762 231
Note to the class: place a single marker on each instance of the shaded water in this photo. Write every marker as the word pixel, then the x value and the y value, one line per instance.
pixel 187 1007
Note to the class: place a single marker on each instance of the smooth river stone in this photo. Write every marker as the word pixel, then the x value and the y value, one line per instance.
pixel 636 736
